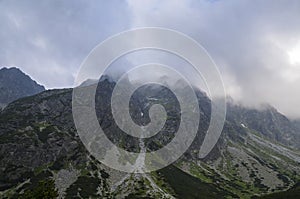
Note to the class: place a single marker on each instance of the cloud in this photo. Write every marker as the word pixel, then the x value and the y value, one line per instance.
pixel 251 41
pixel 49 39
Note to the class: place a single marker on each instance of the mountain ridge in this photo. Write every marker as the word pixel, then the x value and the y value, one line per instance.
pixel 245 162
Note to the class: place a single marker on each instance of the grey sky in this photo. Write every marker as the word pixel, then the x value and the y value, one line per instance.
pixel 254 43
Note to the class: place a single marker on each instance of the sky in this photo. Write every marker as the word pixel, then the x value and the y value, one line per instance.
pixel 255 44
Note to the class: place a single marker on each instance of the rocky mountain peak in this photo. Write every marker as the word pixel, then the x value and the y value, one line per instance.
pixel 15 84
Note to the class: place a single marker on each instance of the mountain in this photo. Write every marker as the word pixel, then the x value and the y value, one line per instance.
pixel 14 84
pixel 90 82
pixel 41 153
pixel 269 123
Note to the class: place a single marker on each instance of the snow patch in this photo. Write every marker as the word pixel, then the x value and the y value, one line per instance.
pixel 243 125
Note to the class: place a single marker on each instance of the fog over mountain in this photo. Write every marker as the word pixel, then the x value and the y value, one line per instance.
pixel 42 154
pixel 256 44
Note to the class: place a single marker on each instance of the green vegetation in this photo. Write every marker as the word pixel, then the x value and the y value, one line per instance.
pixel 187 186
pixel 290 194
pixel 200 173
pixel 40 169
pixel 160 181
pixel 43 134
pixel 85 187
pixel 44 190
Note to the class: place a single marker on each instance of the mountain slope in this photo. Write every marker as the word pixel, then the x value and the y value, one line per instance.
pixel 38 141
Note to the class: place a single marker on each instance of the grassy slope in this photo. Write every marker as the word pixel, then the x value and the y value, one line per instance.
pixel 188 187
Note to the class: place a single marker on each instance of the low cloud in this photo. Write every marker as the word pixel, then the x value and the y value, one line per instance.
pixel 254 43
pixel 249 40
